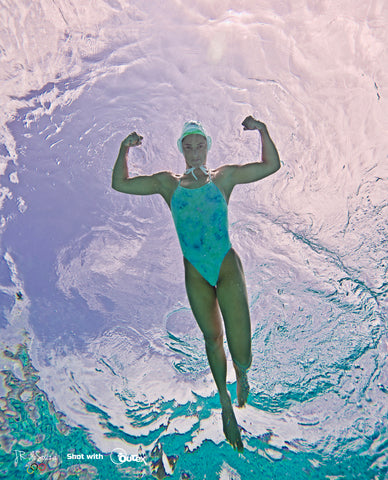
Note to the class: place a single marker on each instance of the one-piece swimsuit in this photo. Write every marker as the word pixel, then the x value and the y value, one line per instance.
pixel 201 221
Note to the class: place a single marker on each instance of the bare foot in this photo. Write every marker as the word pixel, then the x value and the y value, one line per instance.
pixel 242 386
pixel 230 427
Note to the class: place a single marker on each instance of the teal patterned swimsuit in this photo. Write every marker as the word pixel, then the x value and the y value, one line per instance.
pixel 201 221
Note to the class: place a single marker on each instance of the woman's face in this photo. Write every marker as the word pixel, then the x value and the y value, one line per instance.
pixel 194 148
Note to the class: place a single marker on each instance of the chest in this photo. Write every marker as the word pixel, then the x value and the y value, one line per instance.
pixel 206 204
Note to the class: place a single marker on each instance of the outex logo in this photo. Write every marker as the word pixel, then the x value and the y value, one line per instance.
pixel 119 456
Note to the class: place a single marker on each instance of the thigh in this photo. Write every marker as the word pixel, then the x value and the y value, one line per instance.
pixel 233 301
pixel 203 302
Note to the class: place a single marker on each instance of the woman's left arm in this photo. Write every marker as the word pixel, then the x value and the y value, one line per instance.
pixel 270 162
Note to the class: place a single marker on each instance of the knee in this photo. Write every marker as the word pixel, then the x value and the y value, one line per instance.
pixel 214 341
pixel 244 362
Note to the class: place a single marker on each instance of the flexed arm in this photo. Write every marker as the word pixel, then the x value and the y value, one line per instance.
pixel 120 175
pixel 269 154
pixel 233 175
pixel 270 161
pixel 139 185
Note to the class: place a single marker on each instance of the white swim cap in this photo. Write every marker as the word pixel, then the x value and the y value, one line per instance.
pixel 190 128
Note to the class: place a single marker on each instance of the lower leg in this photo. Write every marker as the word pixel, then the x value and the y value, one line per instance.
pixel 242 381
pixel 233 301
pixel 217 361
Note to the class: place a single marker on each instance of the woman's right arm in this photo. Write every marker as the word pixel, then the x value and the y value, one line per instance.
pixel 139 185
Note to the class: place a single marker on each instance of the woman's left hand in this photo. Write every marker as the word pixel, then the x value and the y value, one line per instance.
pixel 251 123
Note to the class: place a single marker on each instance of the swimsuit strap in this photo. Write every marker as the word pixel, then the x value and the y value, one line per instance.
pixel 202 167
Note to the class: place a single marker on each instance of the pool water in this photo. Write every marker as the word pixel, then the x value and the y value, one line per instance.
pixel 104 372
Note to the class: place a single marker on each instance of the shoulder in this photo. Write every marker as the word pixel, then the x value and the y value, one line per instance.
pixel 167 184
pixel 166 179
pixel 223 177
pixel 224 171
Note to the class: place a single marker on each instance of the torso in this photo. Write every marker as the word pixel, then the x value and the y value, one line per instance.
pixel 200 214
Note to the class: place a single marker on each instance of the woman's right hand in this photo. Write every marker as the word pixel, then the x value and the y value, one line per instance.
pixel 133 140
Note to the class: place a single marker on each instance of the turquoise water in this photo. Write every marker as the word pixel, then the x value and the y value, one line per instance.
pixel 100 353
pixel 36 434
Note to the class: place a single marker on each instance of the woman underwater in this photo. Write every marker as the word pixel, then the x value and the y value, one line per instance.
pixel 214 276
